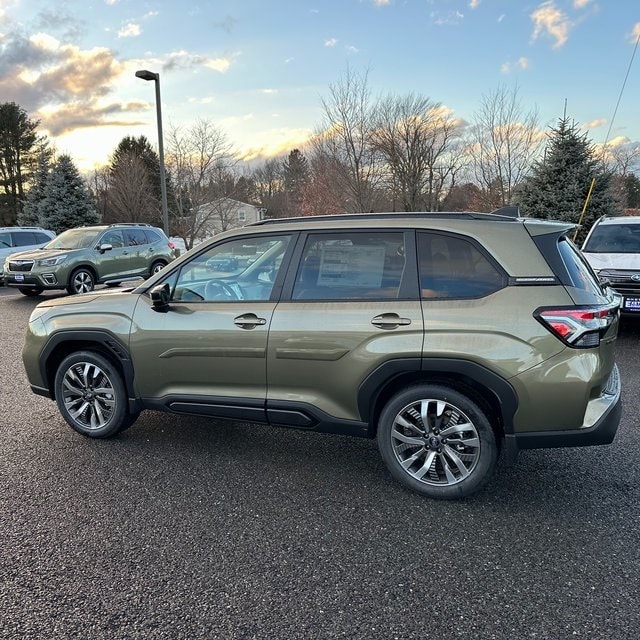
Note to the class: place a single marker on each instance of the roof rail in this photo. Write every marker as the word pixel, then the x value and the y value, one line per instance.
pixel 465 215
pixel 129 224
pixel 22 228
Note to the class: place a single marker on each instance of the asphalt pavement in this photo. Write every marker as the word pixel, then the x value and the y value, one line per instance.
pixel 190 528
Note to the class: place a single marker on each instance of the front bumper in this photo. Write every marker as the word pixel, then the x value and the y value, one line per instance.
pixel 32 280
pixel 601 422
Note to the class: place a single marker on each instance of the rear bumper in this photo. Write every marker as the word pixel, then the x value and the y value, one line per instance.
pixel 602 419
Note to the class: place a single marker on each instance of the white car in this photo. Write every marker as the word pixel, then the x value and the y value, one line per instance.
pixel 612 248
pixel 14 239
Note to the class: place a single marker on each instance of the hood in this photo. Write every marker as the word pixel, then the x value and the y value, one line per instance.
pixel 84 298
pixel 41 254
pixel 620 261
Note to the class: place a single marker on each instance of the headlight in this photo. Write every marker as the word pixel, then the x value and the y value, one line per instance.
pixel 51 262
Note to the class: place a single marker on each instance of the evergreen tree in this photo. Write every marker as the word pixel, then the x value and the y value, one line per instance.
pixel 559 183
pixel 296 175
pixel 66 202
pixel 31 209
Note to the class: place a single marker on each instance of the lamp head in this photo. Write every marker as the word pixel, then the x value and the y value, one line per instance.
pixel 146 75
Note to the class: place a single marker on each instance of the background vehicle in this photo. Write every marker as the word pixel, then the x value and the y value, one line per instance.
pixel 612 248
pixel 448 337
pixel 14 239
pixel 80 258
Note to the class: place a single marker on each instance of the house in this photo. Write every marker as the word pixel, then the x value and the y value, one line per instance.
pixel 226 213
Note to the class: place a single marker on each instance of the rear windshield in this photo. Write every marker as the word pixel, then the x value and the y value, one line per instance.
pixel 581 274
pixel 614 238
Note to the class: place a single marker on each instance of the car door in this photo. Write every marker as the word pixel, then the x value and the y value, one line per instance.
pixel 115 262
pixel 138 248
pixel 352 308
pixel 206 352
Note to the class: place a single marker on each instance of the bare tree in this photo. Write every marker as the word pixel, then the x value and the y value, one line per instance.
pixel 418 140
pixel 196 158
pixel 345 137
pixel 128 192
pixel 268 180
pixel 506 141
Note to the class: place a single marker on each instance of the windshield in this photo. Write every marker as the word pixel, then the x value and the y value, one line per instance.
pixel 614 238
pixel 74 239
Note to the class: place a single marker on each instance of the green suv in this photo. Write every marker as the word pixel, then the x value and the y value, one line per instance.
pixel 80 258
pixel 451 338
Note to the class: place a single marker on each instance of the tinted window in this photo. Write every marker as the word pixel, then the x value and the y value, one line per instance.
pixel 152 236
pixel 580 272
pixel 240 269
pixel 5 240
pixel 452 267
pixel 614 238
pixel 351 265
pixel 24 238
pixel 134 237
pixel 42 237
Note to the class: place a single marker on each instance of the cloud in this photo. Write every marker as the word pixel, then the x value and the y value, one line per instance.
pixel 473 4
pixel 331 42
pixel 351 49
pixel 449 18
pixel 579 4
pixel 520 63
pixel 594 124
pixel 276 142
pixel 549 20
pixel 382 3
pixel 185 60
pixel 60 21
pixel 269 91
pixel 130 30
pixel 227 24
pixel 501 17
pixel 635 32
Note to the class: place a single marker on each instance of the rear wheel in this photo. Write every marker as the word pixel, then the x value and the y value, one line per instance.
pixel 158 265
pixel 437 441
pixel 30 291
pixel 81 281
pixel 91 395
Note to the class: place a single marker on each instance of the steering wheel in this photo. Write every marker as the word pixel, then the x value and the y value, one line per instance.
pixel 216 290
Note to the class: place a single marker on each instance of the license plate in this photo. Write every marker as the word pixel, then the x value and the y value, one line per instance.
pixel 19 277
pixel 631 304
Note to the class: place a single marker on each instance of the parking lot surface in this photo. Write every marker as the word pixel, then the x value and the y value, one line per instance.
pixel 191 528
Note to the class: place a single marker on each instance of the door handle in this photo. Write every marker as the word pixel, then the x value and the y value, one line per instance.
pixel 248 321
pixel 389 321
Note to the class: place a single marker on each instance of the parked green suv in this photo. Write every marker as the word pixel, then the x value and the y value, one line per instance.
pixel 448 337
pixel 80 258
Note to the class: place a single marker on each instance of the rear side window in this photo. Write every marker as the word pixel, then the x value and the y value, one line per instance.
pixel 580 273
pixel 453 267
pixel 5 240
pixel 42 237
pixel 351 266
pixel 152 236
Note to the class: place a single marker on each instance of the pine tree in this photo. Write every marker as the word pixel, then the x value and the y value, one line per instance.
pixel 31 209
pixel 559 183
pixel 296 175
pixel 66 202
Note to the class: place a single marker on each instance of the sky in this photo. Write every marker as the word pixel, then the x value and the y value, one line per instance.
pixel 259 69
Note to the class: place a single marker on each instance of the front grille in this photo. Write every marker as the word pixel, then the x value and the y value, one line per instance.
pixel 622 282
pixel 20 265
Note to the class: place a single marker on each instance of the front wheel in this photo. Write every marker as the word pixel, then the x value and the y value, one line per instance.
pixel 91 395
pixel 30 291
pixel 81 281
pixel 437 441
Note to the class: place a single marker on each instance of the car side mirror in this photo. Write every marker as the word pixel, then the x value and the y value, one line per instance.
pixel 160 296
pixel 105 247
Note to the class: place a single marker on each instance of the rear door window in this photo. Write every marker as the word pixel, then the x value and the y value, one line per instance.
pixel 134 237
pixel 24 238
pixel 580 273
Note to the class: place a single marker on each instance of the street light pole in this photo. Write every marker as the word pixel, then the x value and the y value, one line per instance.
pixel 149 75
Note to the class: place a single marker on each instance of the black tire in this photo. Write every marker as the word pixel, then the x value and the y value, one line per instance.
pixel 453 457
pixel 30 291
pixel 82 280
pixel 158 265
pixel 91 395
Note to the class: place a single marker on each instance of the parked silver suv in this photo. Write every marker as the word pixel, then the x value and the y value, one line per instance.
pixel 14 239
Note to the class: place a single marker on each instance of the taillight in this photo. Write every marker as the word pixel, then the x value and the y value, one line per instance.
pixel 578 326
pixel 172 246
